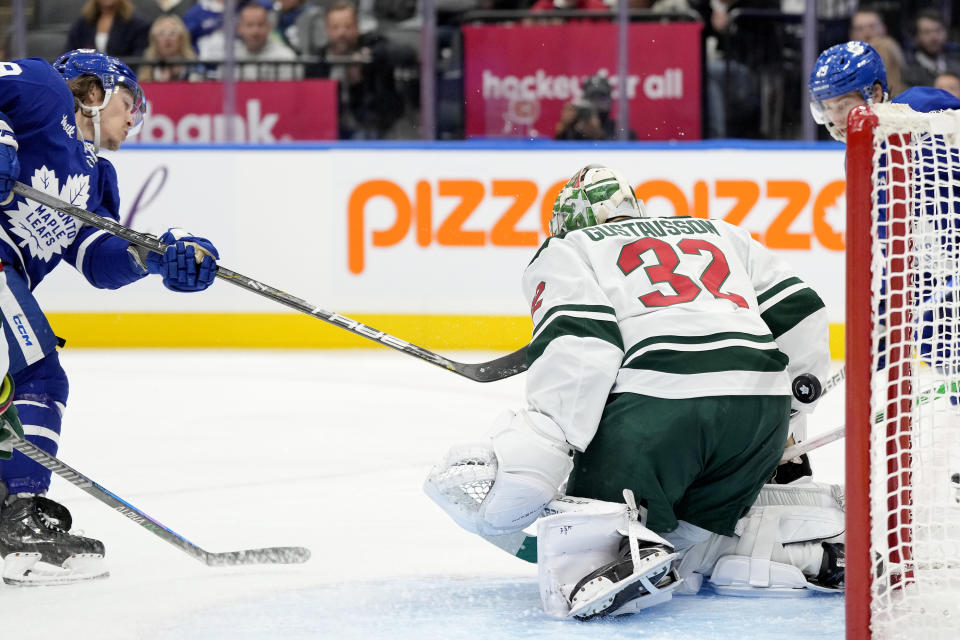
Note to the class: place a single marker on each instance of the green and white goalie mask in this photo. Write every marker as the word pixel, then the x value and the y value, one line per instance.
pixel 592 196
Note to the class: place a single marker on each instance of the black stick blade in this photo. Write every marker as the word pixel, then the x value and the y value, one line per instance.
pixel 496 369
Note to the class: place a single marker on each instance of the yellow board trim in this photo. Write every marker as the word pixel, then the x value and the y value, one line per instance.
pixel 294 331
pixel 838 341
pixel 285 331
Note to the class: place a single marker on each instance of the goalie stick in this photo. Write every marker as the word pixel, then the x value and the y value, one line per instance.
pixel 265 555
pixel 925 396
pixel 496 369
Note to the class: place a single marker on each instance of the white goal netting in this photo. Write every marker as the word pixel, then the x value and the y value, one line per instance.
pixel 915 435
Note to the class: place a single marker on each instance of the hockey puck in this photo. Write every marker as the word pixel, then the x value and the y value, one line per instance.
pixel 806 388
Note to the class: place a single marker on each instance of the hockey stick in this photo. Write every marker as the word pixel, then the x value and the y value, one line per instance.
pixel 496 369
pixel 266 555
pixel 836 433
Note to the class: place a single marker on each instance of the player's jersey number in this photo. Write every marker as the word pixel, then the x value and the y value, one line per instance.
pixel 686 287
pixel 10 69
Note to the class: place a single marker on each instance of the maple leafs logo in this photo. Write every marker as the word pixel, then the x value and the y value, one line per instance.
pixel 43 231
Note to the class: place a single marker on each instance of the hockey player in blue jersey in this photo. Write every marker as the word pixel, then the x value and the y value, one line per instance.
pixel 53 121
pixel 852 74
pixel 849 75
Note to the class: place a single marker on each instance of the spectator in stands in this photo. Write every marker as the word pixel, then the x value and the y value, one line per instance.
pixel 867 25
pixel 732 87
pixel 931 56
pixel 293 22
pixel 313 28
pixel 660 6
pixel 256 43
pixel 150 10
pixel 169 40
pixel 949 82
pixel 369 103
pixel 588 118
pixel 204 21
pixel 110 26
pixel 551 5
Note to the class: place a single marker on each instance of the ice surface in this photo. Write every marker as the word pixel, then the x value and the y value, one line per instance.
pixel 324 449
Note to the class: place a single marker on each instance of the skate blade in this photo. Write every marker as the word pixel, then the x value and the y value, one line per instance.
pixel 28 570
pixel 595 597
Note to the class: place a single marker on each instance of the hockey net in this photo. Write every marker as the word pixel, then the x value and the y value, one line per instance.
pixel 903 414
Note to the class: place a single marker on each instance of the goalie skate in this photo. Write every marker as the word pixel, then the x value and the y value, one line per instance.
pixel 38 549
pixel 620 588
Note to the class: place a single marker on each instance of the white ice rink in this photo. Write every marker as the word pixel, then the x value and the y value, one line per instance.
pixel 324 449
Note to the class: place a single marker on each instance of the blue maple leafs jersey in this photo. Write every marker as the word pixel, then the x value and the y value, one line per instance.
pixel 39 107
pixel 939 180
pixel 927 99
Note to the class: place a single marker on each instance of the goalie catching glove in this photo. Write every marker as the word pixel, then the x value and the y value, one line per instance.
pixel 10 427
pixel 188 264
pixel 502 486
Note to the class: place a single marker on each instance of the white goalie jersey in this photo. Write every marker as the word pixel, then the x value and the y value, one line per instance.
pixel 665 307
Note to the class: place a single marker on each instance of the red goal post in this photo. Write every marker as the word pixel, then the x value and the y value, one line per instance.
pixel 903 518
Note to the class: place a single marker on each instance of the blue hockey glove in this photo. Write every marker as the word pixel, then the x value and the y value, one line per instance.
pixel 9 421
pixel 9 163
pixel 189 263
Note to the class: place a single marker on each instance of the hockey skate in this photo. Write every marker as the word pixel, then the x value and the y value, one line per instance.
pixel 831 576
pixel 37 547
pixel 628 584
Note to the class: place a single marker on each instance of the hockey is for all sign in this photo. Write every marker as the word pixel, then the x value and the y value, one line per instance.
pixel 518 79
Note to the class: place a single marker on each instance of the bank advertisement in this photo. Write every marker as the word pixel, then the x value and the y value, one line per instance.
pixel 264 112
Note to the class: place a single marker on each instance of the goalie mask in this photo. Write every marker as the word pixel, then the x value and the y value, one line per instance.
pixel 592 196
pixel 842 69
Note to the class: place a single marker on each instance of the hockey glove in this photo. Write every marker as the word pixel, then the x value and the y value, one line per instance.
pixel 10 427
pixel 189 263
pixel 9 163
pixel 501 487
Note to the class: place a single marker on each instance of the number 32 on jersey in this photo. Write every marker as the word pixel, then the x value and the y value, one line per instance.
pixel 668 258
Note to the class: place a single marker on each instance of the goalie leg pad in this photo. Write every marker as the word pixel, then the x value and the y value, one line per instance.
pixel 582 548
pixel 780 544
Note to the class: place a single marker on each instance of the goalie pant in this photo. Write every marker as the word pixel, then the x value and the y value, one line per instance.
pixel 38 107
pixel 777 548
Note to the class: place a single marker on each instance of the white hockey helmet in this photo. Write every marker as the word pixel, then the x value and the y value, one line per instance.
pixel 592 196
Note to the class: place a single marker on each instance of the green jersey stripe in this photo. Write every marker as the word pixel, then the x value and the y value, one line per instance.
pixel 711 360
pixel 792 310
pixel 606 330
pixel 593 308
pixel 777 288
pixel 540 249
pixel 706 339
